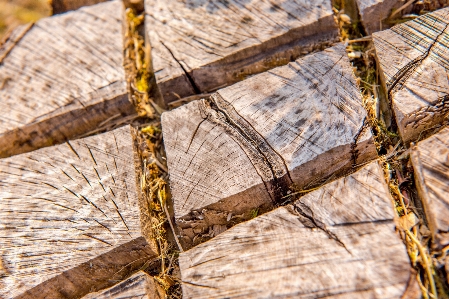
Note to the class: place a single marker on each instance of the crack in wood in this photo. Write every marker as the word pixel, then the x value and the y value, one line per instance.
pixel 270 166
pixel 354 151
pixel 188 76
pixel 397 82
pixel 306 217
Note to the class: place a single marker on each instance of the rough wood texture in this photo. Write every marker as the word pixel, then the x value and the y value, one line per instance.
pixel 200 46
pixel 138 286
pixel 245 146
pixel 413 59
pixel 374 14
pixel 69 218
pixel 61 6
pixel 430 160
pixel 61 78
pixel 336 242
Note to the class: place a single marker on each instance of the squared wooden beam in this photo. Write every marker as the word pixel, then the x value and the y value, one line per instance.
pixel 336 242
pixel 251 144
pixel 72 221
pixel 62 77
pixel 413 66
pixel 200 46
pixel 430 160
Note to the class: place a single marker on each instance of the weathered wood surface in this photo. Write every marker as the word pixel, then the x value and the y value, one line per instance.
pixel 200 46
pixel 374 12
pixel 381 14
pixel 336 242
pixel 61 78
pixel 244 147
pixel 61 6
pixel 70 221
pixel 138 286
pixel 430 160
pixel 413 59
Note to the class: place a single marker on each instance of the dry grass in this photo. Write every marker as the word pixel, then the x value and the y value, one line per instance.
pixel 153 176
pixel 17 12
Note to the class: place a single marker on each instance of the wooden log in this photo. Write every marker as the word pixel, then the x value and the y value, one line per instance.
pixel 336 242
pixel 413 60
pixel 61 78
pixel 61 6
pixel 138 286
pixel 70 219
pixel 246 146
pixel 430 160
pixel 379 15
pixel 201 46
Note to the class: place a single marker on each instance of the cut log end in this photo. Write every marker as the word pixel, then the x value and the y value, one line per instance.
pixel 70 217
pixel 430 160
pixel 412 60
pixel 336 242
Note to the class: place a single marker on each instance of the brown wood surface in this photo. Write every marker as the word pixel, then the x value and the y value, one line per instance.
pixel 61 6
pixel 413 59
pixel 243 148
pixel 200 46
pixel 336 242
pixel 138 286
pixel 61 78
pixel 70 221
pixel 430 160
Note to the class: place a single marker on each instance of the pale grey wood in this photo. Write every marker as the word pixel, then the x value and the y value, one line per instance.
pixel 336 242
pixel 413 60
pixel 61 6
pixel 62 78
pixel 200 46
pixel 70 221
pixel 135 287
pixel 243 148
pixel 430 160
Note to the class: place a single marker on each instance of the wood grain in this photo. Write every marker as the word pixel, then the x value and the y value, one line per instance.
pixel 138 286
pixel 244 147
pixel 70 221
pixel 336 242
pixel 61 6
pixel 413 59
pixel 430 160
pixel 62 78
pixel 200 46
